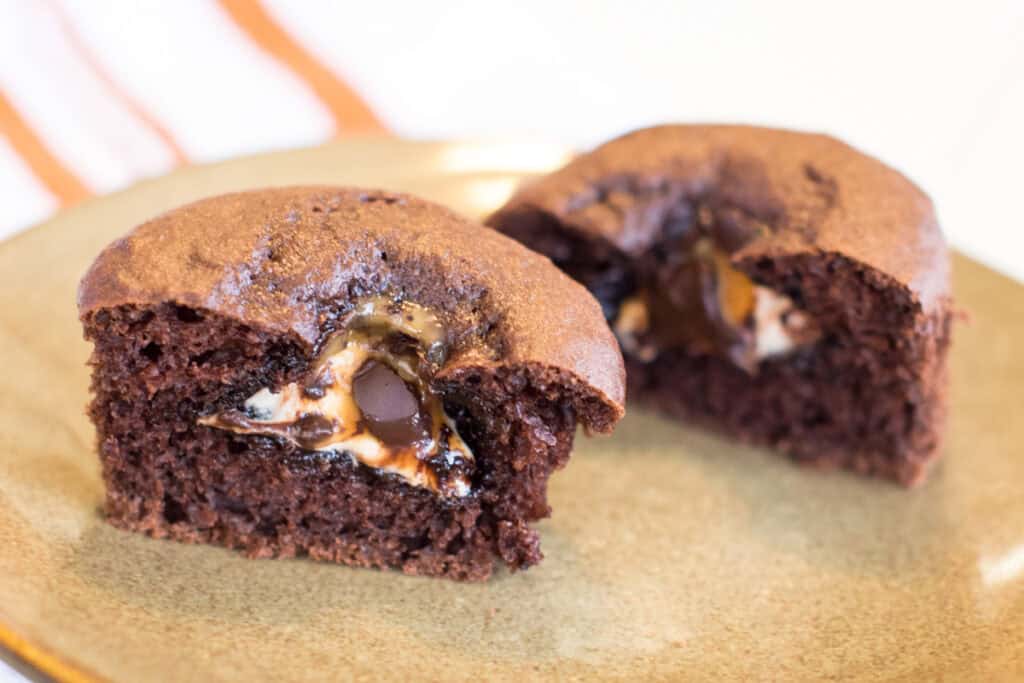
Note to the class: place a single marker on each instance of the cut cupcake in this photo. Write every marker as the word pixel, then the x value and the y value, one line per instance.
pixel 355 376
pixel 779 286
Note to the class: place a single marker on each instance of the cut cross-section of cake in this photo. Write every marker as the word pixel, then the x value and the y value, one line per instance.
pixel 780 286
pixel 356 376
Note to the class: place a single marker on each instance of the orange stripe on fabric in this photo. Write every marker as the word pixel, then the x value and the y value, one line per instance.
pixel 76 43
pixel 43 660
pixel 350 113
pixel 48 169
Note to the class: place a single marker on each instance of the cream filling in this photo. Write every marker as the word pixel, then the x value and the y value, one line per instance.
pixel 270 413
pixel 779 327
pixel 632 321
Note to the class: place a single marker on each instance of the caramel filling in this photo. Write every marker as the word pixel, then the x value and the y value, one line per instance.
pixel 368 395
pixel 701 302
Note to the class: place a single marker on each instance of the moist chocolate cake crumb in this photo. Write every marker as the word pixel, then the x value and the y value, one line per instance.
pixel 778 286
pixel 265 380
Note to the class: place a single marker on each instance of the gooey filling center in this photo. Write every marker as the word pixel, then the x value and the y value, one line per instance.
pixel 368 395
pixel 693 297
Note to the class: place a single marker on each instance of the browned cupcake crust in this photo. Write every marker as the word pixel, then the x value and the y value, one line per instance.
pixel 780 286
pixel 353 375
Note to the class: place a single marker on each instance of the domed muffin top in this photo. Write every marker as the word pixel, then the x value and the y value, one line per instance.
pixel 295 261
pixel 811 193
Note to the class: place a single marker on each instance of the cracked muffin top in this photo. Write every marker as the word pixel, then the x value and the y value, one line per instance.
pixel 294 260
pixel 781 193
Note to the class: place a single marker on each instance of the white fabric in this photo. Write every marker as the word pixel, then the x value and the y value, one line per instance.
pixel 932 88
pixel 217 93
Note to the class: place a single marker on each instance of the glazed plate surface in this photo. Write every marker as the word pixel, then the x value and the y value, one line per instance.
pixel 671 553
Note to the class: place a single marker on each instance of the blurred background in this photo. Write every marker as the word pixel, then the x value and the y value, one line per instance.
pixel 97 94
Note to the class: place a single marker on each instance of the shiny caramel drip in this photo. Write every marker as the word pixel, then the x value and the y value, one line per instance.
pixel 705 304
pixel 323 411
pixel 735 291
pixel 386 316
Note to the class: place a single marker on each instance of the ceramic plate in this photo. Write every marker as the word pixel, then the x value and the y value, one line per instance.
pixel 671 553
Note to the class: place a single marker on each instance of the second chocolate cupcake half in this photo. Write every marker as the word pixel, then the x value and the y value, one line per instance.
pixel 779 286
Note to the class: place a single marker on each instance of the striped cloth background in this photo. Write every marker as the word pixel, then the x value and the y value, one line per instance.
pixel 100 108
pixel 96 94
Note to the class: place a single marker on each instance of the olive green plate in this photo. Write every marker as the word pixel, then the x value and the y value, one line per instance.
pixel 671 553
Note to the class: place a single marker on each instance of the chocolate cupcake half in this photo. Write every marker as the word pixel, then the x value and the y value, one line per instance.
pixel 780 286
pixel 356 376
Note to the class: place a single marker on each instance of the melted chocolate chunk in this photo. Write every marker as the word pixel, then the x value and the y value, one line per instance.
pixel 233 419
pixel 354 400
pixel 317 387
pixel 310 429
pixel 692 295
pixel 693 299
pixel 390 408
